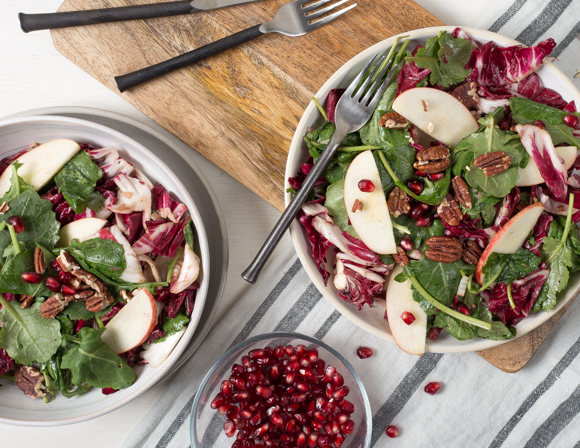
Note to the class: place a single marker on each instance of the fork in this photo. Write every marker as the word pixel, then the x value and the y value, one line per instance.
pixel 353 110
pixel 294 18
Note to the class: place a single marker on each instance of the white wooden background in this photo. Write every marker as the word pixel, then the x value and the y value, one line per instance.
pixel 33 74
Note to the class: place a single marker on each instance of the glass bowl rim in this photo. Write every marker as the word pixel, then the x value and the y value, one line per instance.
pixel 240 346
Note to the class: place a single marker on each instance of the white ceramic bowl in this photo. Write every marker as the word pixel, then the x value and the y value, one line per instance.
pixel 17 133
pixel 371 319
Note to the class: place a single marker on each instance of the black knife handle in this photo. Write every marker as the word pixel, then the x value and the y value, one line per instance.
pixel 135 78
pixel 33 22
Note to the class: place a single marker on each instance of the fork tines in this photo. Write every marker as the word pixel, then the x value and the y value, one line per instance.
pixel 311 13
pixel 374 93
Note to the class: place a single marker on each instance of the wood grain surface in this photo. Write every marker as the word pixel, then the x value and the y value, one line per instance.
pixel 240 109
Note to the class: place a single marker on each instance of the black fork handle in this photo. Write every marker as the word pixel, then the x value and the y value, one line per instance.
pixel 34 22
pixel 135 78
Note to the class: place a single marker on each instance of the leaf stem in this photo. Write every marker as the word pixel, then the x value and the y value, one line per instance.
pixel 357 148
pixel 320 108
pixel 99 322
pixel 400 228
pixel 172 266
pixel 510 298
pixel 566 229
pixel 429 298
pixel 402 51
pixel 15 242
pixel 7 377
pixel 398 183
pixel 3 225
pixel 70 338
pixel 389 56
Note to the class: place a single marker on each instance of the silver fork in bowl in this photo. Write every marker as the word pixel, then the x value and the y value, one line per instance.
pixel 294 18
pixel 353 110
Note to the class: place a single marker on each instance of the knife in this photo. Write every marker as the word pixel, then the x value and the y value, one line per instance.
pixel 34 22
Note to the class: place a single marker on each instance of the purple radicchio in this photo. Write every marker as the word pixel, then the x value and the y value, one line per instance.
pixel 541 230
pixel 501 66
pixel 6 362
pixel 130 224
pixel 133 196
pixel 64 212
pixel 506 211
pixel 355 283
pixel 7 161
pixel 331 102
pixel 544 195
pixel 133 272
pixel 539 145
pixel 467 230
pixel 458 33
pixel 410 74
pixel 88 213
pixel 524 291
pixel 167 207
pixel 110 162
pixel 186 270
pixel 161 238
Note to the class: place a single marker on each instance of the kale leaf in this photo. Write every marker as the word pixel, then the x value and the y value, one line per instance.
pixel 457 328
pixel 434 192
pixel 483 207
pixel 77 181
pixel 91 361
pixel 105 258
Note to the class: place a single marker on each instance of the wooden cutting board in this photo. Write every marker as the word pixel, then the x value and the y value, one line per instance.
pixel 240 109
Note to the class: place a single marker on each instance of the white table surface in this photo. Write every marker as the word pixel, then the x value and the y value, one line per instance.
pixel 32 75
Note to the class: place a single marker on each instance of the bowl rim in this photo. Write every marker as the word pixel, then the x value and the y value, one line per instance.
pixel 242 345
pixel 205 256
pixel 295 228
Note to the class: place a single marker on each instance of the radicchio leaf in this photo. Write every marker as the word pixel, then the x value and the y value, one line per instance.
pixel 541 229
pixel 6 362
pixel 130 224
pixel 186 270
pixel 410 74
pixel 133 272
pixel 467 229
pixel 356 284
pixel 539 145
pixel 64 212
pixel 331 102
pixel 110 162
pixel 508 206
pixel 133 196
pixel 88 213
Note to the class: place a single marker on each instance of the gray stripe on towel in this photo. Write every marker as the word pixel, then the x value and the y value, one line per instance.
pixel 543 22
pixel 507 16
pixel 574 34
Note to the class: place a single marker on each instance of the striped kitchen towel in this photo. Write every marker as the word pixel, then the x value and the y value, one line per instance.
pixel 478 405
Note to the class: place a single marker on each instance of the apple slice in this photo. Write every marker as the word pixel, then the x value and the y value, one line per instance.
pixel 156 354
pixel 530 175
pixel 133 324
pixel 41 164
pixel 436 113
pixel 372 223
pixel 511 236
pixel 410 338
pixel 81 229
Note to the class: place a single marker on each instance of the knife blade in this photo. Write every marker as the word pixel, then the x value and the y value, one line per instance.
pixel 34 22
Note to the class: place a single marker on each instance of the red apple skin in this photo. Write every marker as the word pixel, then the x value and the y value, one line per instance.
pixel 153 319
pixel 489 249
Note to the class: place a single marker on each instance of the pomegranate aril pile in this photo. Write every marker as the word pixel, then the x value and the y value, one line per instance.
pixel 285 397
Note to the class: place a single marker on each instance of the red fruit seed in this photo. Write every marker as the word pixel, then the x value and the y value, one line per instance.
pixel 415 186
pixel 16 222
pixel 68 289
pixel 65 277
pixel 572 121
pixel 426 221
pixel 407 317
pixel 366 186
pixel 364 352
pixel 435 176
pixel 31 277
pixel 52 283
pixel 434 333
pixel 462 308
pixel 54 265
pixel 392 431
pixel 406 244
pixel 432 387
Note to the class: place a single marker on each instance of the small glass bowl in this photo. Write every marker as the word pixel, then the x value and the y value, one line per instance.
pixel 206 426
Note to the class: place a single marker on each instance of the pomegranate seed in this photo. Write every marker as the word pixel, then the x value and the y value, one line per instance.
pixel 290 377
pixel 9 296
pixel 426 221
pixel 434 333
pixel 436 176
pixel 223 410
pixel 238 382
pixel 245 414
pixel 335 427
pixel 256 419
pixel 290 350
pixel 319 367
pixel 366 186
pixel 304 361
pixel 52 283
pixel 240 397
pixel 342 418
pixel 292 366
pixel 255 354
pixel 313 355
pixel 307 374
pixel 462 308
pixel 301 350
pixel 65 277
pixel 301 440
pixel 328 374
pixel 417 211
pixel 68 289
pixel 16 222
pixel 246 361
pixel 540 124
pixel 286 439
pixel 339 440
pixel 218 401
pixel 569 120
pixel 264 392
pixel 347 407
pixel 420 173
pixel 312 440
pixel 504 124
pixel 392 431
pixel 324 439
pixel 415 186
pixel 338 379
pixel 432 387
pixel 276 420
pixel 54 265
pixel 291 426
pixel 406 244
pixel 238 369
pixel 238 444
pixel 348 427
pixel 340 393
pixel 249 443
pixel 328 408
pixel 279 352
pixel 233 413
pixel 31 277
pixel 364 352
pixel 265 428
pixel 407 317
pixel 229 428
pixel 329 390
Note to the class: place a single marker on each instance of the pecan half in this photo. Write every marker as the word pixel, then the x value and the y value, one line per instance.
pixel 449 211
pixel 357 206
pixel 99 302
pixel 401 257
pixel 461 192
pixel 433 160
pixel 492 163
pixel 52 306
pixel 466 93
pixel 39 263
pixel 4 208
pixel 67 262
pixel 25 300
pixel 393 120
pixel 443 249
pixel 471 252
pixel 79 296
pixel 398 202
pixel 30 381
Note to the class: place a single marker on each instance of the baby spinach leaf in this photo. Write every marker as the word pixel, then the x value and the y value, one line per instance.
pixel 335 205
pixel 317 140
pixel 526 111
pixel 446 57
pixel 103 257
pixel 77 181
pixel 458 329
pixel 400 160
pixel 499 331
pixel 172 326
pixel 434 192
pixel 78 310
pixel 11 276
pixel 17 184
pixel 505 268
pixel 375 135
pixel 26 335
pixel 93 362
pixel 483 206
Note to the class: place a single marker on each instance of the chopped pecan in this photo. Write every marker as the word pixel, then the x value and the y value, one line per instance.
pixel 425 106
pixel 401 257
pixel 39 263
pixel 492 163
pixel 449 211
pixel 461 192
pixel 466 93
pixel 79 284
pixel 99 302
pixel 398 202
pixel 393 120
pixel 433 160
pixel 127 296
pixel 357 206
pixel 67 262
pixel 4 208
pixel 26 301
pixel 443 249
pixel 79 296
pixel 52 306
pixel 471 252
pixel 30 381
